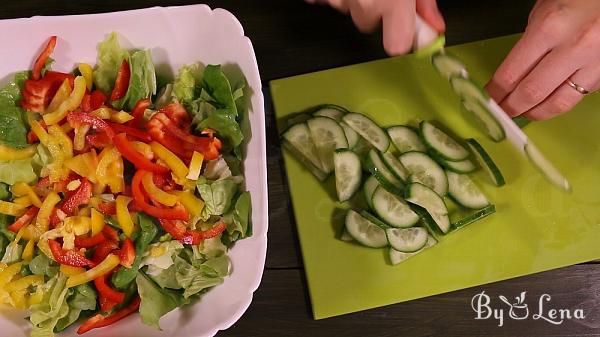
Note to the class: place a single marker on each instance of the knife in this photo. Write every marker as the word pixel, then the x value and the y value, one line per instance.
pixel 427 42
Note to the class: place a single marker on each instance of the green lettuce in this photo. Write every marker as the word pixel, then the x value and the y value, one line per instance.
pixel 26 170
pixel 195 279
pixel 81 298
pixel 184 86
pixel 12 253
pixel 110 57
pixel 155 301
pixel 13 130
pixel 142 83
pixel 218 90
pixel 54 307
pixel 225 125
pixel 42 265
pixel 238 221
pixel 217 195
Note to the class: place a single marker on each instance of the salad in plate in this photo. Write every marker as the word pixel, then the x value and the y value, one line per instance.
pixel 120 192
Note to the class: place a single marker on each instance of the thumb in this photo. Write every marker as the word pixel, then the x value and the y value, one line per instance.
pixel 429 11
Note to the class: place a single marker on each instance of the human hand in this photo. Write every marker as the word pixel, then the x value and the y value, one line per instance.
pixel 561 43
pixel 396 16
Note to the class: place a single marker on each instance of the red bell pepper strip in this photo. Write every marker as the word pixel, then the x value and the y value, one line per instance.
pixel 37 94
pixel 61 186
pixel 138 113
pixel 107 291
pixel 170 142
pixel 24 219
pixel 137 159
pixel 97 99
pixel 56 217
pixel 199 144
pixel 127 253
pixel 110 233
pixel 99 320
pixel 31 137
pixel 69 257
pixel 122 82
pixel 108 208
pixel 89 242
pixel 78 197
pixel 106 305
pixel 76 119
pixel 85 103
pixel 175 213
pixel 190 237
pixel 176 229
pixel 98 140
pixel 57 78
pixel 103 249
pixel 131 131
pixel 41 59
pixel 177 113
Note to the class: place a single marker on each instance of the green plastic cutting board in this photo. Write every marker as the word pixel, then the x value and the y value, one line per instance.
pixel 536 227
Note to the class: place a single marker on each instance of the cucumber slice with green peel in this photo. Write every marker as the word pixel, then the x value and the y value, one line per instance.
pixel 521 121
pixel 484 119
pixel 369 188
pixel 364 231
pixel 374 219
pixel 348 173
pixel 425 170
pixel 448 66
pixel 405 139
pixel 407 240
pixel 463 166
pixel 395 166
pixel 368 129
pixel 546 167
pixel 328 136
pixel 332 111
pixel 464 191
pixel 393 209
pixel 486 162
pixel 379 170
pixel 300 138
pixel 351 135
pixel 468 90
pixel 320 175
pixel 397 257
pixel 298 118
pixel 425 197
pixel 440 143
pixel 478 215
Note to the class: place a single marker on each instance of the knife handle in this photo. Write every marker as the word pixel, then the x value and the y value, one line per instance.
pixel 424 34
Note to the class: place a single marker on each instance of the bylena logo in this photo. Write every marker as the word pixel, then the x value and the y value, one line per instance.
pixel 519 310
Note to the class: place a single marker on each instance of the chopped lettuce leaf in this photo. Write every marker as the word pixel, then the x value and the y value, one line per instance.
pixel 217 169
pixel 166 278
pixel 83 298
pixel 184 87
pixel 142 83
pixel 217 86
pixel 209 249
pixel 156 302
pixel 13 171
pixel 13 131
pixel 4 192
pixel 12 253
pixel 47 66
pixel 110 57
pixel 238 225
pixel 10 94
pixel 163 261
pixel 195 279
pixel 164 96
pixel 225 125
pixel 217 195
pixel 45 315
pixel 42 265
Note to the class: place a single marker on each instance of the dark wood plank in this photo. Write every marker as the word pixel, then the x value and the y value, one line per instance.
pixel 281 308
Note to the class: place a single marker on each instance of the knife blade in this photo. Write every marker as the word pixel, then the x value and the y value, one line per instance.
pixel 427 41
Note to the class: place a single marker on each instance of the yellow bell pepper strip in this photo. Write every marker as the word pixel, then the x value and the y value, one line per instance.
pixel 66 127
pixel 6 276
pixel 187 198
pixel 42 222
pixel 37 297
pixel 123 216
pixel 195 166
pixel 10 208
pixel 28 251
pixel 97 221
pixel 79 139
pixel 120 117
pixel 19 299
pixel 2 266
pixel 61 95
pixel 69 104
pixel 116 170
pixel 38 130
pixel 106 266
pixel 102 113
pixel 9 153
pixel 60 147
pixel 84 165
pixel 70 270
pixel 73 185
pixel 156 193
pixel 176 165
pixel 87 73
pixel 104 170
pixel 21 189
pixel 143 148
pixel 23 201
pixel 24 283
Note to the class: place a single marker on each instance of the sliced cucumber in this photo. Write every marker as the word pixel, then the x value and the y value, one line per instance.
pixel 405 139
pixel 463 166
pixel 393 209
pixel 478 215
pixel 320 175
pixel 364 231
pixel 425 197
pixel 425 170
pixel 298 118
pixel 545 166
pixel 332 111
pixel 351 135
pixel 441 143
pixel 328 136
pixel 348 173
pixel 374 219
pixel 384 176
pixel 486 162
pixel 448 66
pixel 395 166
pixel 407 240
pixel 300 138
pixel 370 131
pixel 397 257
pixel 369 188
pixel 344 236
pixel 484 119
pixel 464 191
pixel 466 89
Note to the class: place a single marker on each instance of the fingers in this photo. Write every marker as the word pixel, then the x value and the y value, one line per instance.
pixel 430 12
pixel 565 97
pixel 364 16
pixel 399 28
pixel 524 56
pixel 543 79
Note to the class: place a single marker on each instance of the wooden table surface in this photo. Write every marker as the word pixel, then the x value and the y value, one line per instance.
pixel 291 37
